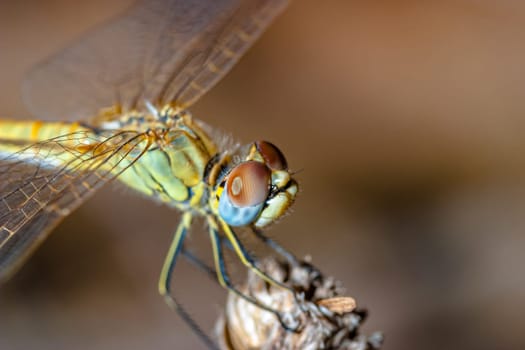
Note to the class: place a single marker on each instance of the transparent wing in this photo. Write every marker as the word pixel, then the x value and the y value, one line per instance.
pixel 158 51
pixel 36 192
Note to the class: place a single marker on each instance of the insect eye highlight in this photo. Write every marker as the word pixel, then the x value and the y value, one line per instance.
pixel 248 184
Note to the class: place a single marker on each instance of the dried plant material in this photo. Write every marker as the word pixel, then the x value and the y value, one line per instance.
pixel 327 319
pixel 338 305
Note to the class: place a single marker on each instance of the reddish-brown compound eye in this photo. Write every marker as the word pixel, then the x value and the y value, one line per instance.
pixel 272 155
pixel 248 184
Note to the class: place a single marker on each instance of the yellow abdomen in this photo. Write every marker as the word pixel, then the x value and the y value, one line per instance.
pixel 34 131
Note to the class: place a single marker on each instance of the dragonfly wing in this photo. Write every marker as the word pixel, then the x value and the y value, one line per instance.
pixel 36 194
pixel 159 51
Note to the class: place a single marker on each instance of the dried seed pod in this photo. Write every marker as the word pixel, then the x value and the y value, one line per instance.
pixel 338 305
pixel 328 320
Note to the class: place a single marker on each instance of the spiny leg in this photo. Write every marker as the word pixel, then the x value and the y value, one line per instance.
pixel 279 249
pixel 201 265
pixel 166 275
pixel 224 279
pixel 246 259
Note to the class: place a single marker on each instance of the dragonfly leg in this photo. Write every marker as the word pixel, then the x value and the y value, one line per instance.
pixel 279 249
pixel 220 274
pixel 201 265
pixel 246 259
pixel 166 275
pixel 224 280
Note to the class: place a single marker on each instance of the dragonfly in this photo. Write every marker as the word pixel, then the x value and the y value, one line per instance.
pixel 120 97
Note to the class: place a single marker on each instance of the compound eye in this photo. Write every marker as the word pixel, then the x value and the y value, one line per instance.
pixel 248 184
pixel 272 155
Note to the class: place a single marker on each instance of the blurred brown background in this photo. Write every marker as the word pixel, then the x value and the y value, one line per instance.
pixel 407 118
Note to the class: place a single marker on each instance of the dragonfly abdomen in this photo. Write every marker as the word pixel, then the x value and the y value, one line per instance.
pixel 34 131
pixel 17 136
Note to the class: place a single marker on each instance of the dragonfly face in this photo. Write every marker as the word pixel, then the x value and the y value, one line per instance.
pixel 257 191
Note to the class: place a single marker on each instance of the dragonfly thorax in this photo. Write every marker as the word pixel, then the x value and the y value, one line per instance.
pixel 171 168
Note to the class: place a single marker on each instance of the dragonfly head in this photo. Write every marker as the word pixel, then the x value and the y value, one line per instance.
pixel 257 190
